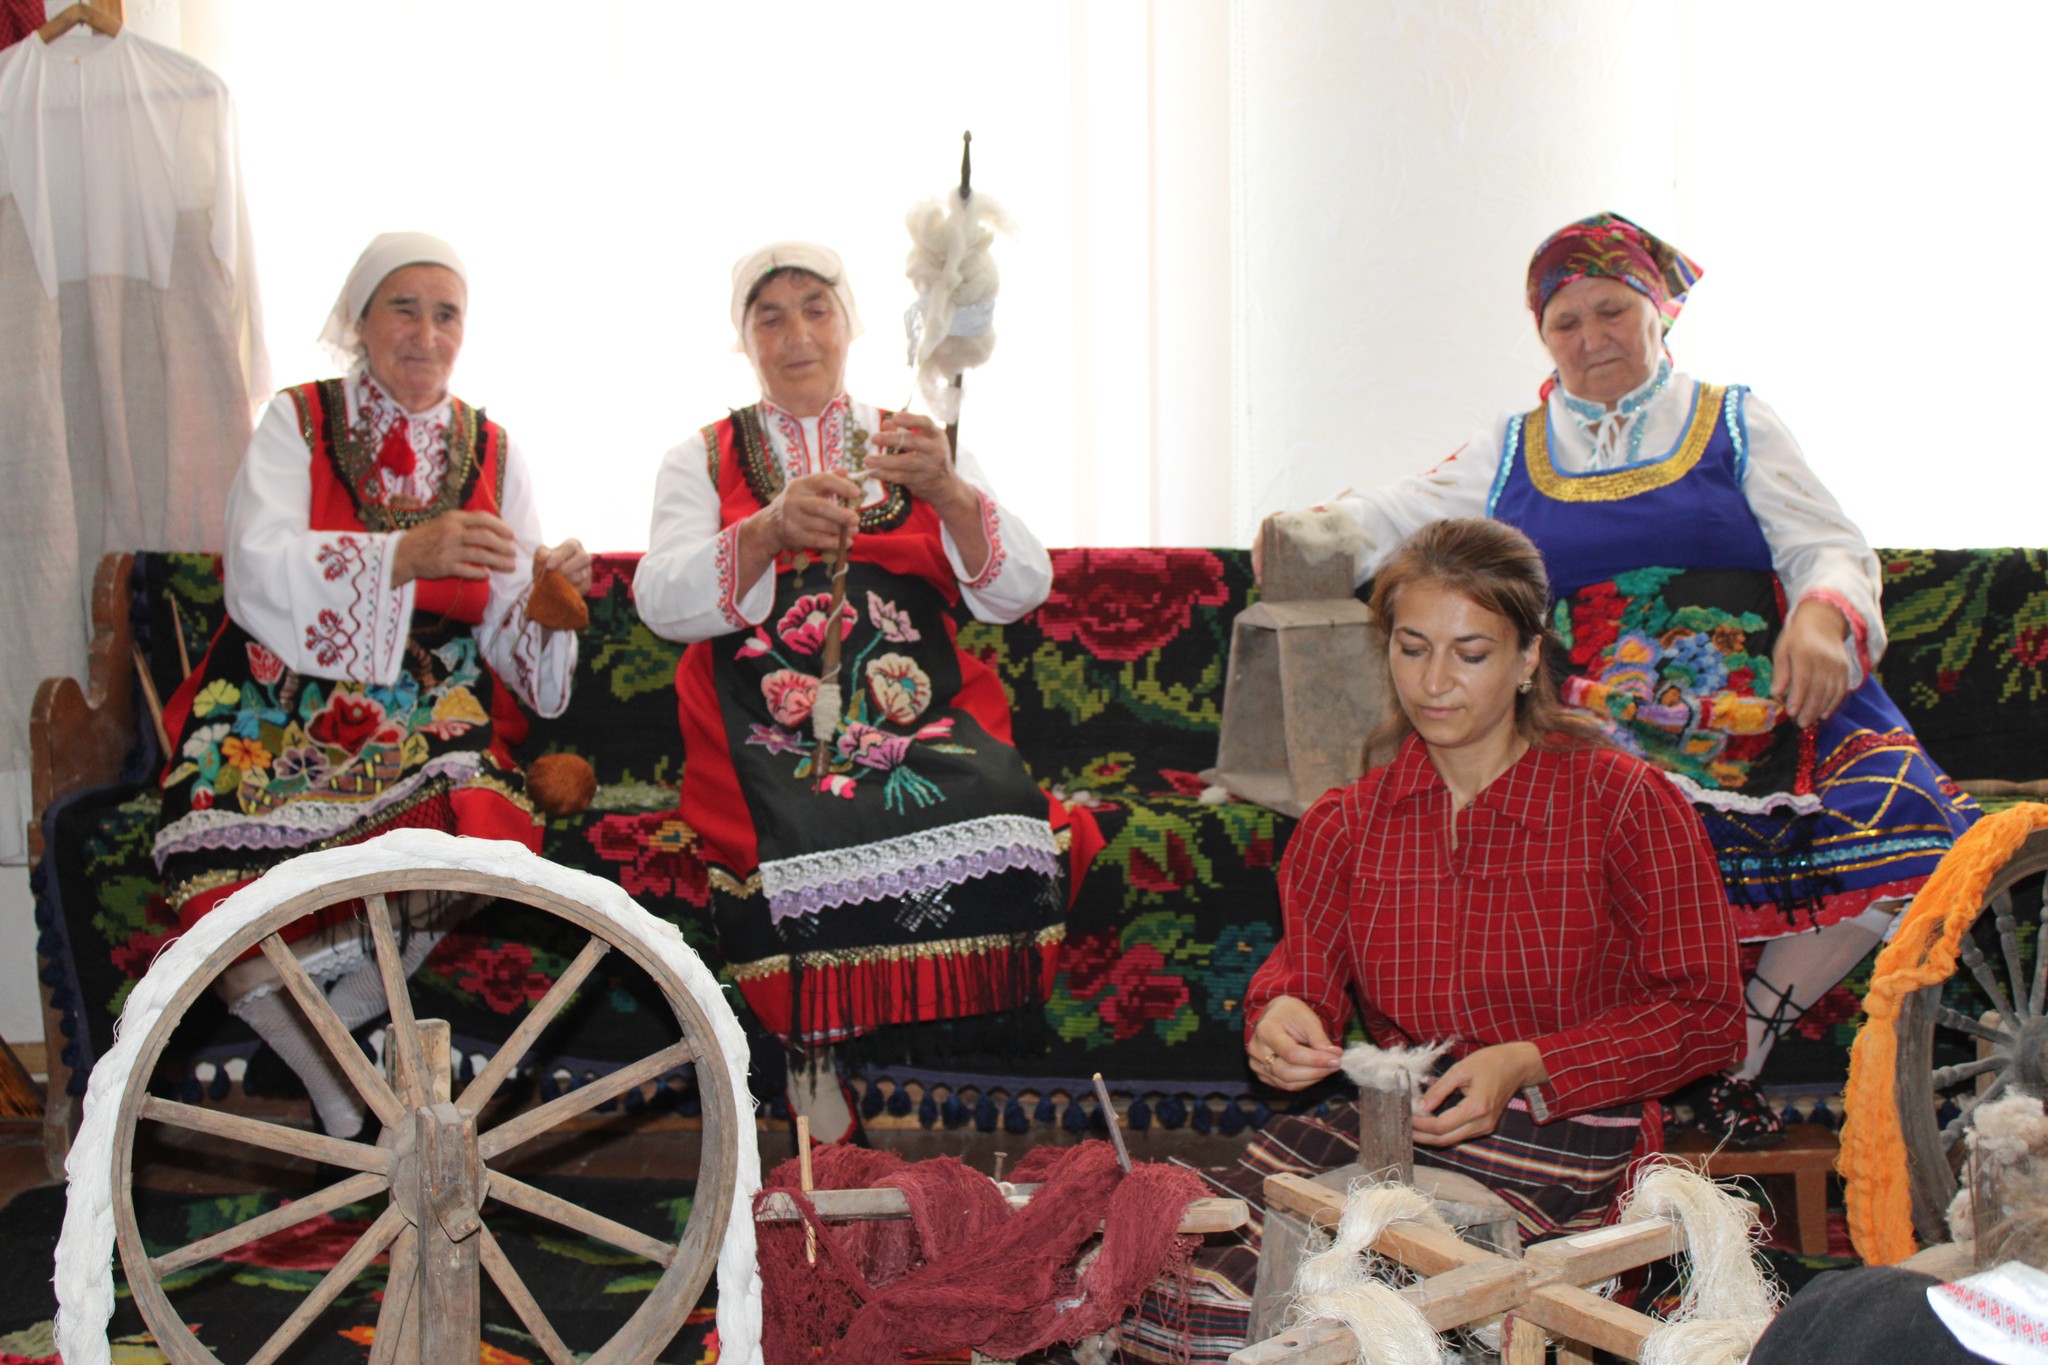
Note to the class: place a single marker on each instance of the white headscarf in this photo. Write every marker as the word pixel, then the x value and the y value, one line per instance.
pixel 388 251
pixel 822 261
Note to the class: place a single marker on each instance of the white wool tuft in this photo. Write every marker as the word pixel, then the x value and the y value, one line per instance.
pixel 1391 1068
pixel 85 1248
pixel 1961 1216
pixel 825 712
pixel 1321 532
pixel 1337 1282
pixel 1728 1301
pixel 1214 796
pixel 954 271
pixel 2008 1129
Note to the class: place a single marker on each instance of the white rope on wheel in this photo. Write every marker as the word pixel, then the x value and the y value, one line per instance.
pixel 1338 1283
pixel 85 1248
pixel 1728 1301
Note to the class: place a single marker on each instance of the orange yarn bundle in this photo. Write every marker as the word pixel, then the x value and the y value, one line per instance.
pixel 1922 952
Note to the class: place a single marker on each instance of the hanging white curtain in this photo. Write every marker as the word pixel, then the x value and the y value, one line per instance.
pixel 130 339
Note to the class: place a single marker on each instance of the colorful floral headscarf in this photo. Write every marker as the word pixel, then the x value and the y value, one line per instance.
pixel 1609 246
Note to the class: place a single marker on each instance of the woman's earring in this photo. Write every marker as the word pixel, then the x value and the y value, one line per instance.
pixel 1527 683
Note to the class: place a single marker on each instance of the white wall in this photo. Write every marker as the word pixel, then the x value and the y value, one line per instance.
pixel 1860 191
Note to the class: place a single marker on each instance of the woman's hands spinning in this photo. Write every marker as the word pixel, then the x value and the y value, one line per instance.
pixel 1809 669
pixel 1489 1078
pixel 1290 1048
pixel 570 560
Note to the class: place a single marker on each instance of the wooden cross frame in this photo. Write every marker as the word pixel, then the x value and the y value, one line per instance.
pixel 1543 1290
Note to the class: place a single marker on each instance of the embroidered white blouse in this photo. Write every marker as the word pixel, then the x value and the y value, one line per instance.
pixel 323 601
pixel 683 586
pixel 1816 550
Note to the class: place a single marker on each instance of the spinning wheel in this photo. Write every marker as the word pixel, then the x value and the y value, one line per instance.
pixel 437 1166
pixel 2011 1042
pixel 1901 1163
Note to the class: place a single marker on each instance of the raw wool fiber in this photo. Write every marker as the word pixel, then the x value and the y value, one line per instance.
pixel 1728 1301
pixel 958 1276
pixel 1339 1283
pixel 2009 1143
pixel 1922 952
pixel 954 272
pixel 1391 1068
pixel 1320 532
pixel 85 1249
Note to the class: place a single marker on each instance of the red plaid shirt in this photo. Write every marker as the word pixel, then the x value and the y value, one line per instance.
pixel 1581 911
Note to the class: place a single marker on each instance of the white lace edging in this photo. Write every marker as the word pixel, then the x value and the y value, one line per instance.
pixel 928 847
pixel 85 1249
pixel 298 822
pixel 1748 805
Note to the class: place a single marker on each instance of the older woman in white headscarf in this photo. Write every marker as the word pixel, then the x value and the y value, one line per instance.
pixel 890 861
pixel 382 541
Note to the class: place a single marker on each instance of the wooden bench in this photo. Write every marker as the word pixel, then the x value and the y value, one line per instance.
pixel 1806 1157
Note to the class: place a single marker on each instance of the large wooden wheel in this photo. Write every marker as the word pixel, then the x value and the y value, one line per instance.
pixel 2009 1038
pixel 436 1170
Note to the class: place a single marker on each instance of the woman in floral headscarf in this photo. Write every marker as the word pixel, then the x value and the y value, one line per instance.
pixel 1721 615
pixel 382 542
pixel 894 861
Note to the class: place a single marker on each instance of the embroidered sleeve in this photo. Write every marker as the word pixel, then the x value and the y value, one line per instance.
pixel 1017 575
pixel 322 601
pixel 1815 547
pixel 538 664
pixel 687 585
pixel 1460 485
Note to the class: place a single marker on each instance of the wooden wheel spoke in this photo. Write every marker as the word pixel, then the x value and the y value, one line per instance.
pixel 366 1249
pixel 520 1195
pixel 256 1229
pixel 2009 945
pixel 340 1045
pixel 271 1137
pixel 1963 1023
pixel 534 1122
pixel 479 1091
pixel 516 1293
pixel 412 1080
pixel 1973 957
pixel 1946 1076
pixel 2037 998
pixel 398 1290
pixel 1953 1129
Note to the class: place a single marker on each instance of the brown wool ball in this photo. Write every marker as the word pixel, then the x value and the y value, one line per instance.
pixel 561 784
pixel 555 604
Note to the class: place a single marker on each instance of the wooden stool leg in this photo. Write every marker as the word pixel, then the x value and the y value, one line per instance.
pixel 1810 1200
pixel 1525 1344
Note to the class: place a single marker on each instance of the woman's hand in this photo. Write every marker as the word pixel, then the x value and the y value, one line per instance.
pixel 570 560
pixel 1489 1077
pixel 808 514
pixel 1809 667
pixel 912 450
pixel 455 545
pixel 1290 1048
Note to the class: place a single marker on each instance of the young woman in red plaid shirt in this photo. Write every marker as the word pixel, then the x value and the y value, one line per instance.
pixel 1509 884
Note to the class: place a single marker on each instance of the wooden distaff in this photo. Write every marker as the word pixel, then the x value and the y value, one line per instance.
pixel 825 710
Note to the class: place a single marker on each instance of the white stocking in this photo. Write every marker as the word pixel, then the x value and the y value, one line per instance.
pixel 359 997
pixel 1799 969
pixel 276 1019
pixel 815 1093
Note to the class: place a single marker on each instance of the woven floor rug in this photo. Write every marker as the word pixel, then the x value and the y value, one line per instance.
pixel 588 1289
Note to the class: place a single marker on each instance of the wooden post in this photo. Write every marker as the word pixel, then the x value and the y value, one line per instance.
pixel 1386 1141
pixel 450 1194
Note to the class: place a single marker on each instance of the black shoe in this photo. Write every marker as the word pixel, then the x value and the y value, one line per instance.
pixel 1732 1110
